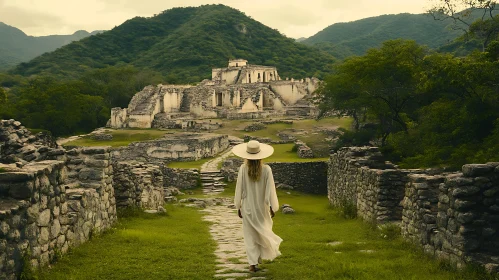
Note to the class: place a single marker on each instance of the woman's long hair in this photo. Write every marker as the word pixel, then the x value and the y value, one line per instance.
pixel 254 168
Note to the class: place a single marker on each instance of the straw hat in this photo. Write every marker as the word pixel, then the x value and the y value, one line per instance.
pixel 253 150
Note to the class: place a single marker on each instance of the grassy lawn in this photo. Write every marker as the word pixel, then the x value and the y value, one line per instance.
pixel 188 164
pixel 121 138
pixel 145 246
pixel 306 253
pixel 284 153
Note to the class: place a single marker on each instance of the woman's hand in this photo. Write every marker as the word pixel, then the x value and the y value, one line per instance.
pixel 272 214
pixel 239 213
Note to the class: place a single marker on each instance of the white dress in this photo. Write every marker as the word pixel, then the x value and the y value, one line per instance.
pixel 255 198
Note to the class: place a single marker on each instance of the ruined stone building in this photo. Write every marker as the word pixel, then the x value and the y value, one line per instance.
pixel 239 91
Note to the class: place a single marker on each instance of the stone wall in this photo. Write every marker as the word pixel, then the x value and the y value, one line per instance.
pixel 138 185
pixel 455 216
pixel 178 147
pixel 19 145
pixel 360 177
pixel 308 177
pixel 52 199
pixel 41 216
pixel 181 178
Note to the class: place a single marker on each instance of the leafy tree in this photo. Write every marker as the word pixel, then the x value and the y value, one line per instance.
pixel 59 107
pixel 462 13
pixel 3 96
pixel 383 82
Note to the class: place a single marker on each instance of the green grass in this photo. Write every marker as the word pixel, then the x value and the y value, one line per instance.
pixel 121 138
pixel 145 246
pixel 310 134
pixel 284 153
pixel 189 164
pixel 307 255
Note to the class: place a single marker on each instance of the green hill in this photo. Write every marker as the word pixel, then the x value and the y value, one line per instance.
pixel 355 38
pixel 183 44
pixel 17 47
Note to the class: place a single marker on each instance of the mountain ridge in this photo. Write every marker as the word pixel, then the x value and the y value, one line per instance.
pixel 183 44
pixel 17 47
pixel 356 37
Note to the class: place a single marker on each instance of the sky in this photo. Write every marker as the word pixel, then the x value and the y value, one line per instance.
pixel 294 18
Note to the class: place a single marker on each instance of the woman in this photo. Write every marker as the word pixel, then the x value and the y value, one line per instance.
pixel 256 201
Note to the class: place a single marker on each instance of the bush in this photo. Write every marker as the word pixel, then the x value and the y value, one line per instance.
pixel 348 209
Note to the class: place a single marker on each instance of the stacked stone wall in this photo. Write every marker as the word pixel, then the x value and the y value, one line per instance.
pixel 174 147
pixel 308 177
pixel 359 176
pixel 182 179
pixel 42 217
pixel 138 185
pixel 455 216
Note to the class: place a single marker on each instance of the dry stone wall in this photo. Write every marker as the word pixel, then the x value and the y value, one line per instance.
pixel 41 216
pixel 453 216
pixel 138 185
pixel 53 198
pixel 359 176
pixel 178 147
pixel 308 177
pixel 181 179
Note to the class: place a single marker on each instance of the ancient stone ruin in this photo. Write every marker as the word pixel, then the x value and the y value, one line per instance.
pixel 453 216
pixel 54 198
pixel 240 91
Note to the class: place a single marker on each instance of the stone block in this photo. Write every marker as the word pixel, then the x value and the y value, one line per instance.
pixel 91 174
pixel 95 150
pixel 44 218
pixel 465 191
pixel 474 170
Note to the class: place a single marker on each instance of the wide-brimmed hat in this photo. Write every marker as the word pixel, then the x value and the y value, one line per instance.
pixel 253 150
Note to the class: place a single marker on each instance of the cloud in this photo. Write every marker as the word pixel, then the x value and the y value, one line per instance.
pixel 26 19
pixel 295 18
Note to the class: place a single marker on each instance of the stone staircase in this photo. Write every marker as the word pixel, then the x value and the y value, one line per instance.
pixel 212 182
pixel 211 178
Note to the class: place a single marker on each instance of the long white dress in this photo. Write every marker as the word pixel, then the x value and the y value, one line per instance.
pixel 255 198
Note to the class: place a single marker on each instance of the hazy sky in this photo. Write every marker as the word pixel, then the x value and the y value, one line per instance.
pixel 294 18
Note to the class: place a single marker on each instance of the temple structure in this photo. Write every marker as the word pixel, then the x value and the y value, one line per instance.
pixel 239 91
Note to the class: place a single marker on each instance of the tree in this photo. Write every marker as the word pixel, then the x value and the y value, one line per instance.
pixel 3 96
pixel 476 18
pixel 381 85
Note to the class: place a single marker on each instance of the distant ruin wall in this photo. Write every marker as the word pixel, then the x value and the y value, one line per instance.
pixel 179 147
pixel 308 177
pixel 453 216
pixel 182 179
pixel 138 185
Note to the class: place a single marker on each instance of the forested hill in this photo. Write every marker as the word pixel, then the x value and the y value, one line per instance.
pixel 183 44
pixel 17 47
pixel 355 38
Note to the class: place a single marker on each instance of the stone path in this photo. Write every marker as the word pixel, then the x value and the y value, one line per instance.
pixel 211 178
pixel 227 231
pixel 227 227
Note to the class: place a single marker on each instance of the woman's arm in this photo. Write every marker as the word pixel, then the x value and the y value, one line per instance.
pixel 239 189
pixel 271 194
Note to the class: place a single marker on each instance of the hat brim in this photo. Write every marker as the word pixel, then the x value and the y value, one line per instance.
pixel 265 151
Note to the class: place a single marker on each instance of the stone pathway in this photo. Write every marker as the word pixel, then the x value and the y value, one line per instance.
pixel 211 178
pixel 227 231
pixel 227 227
